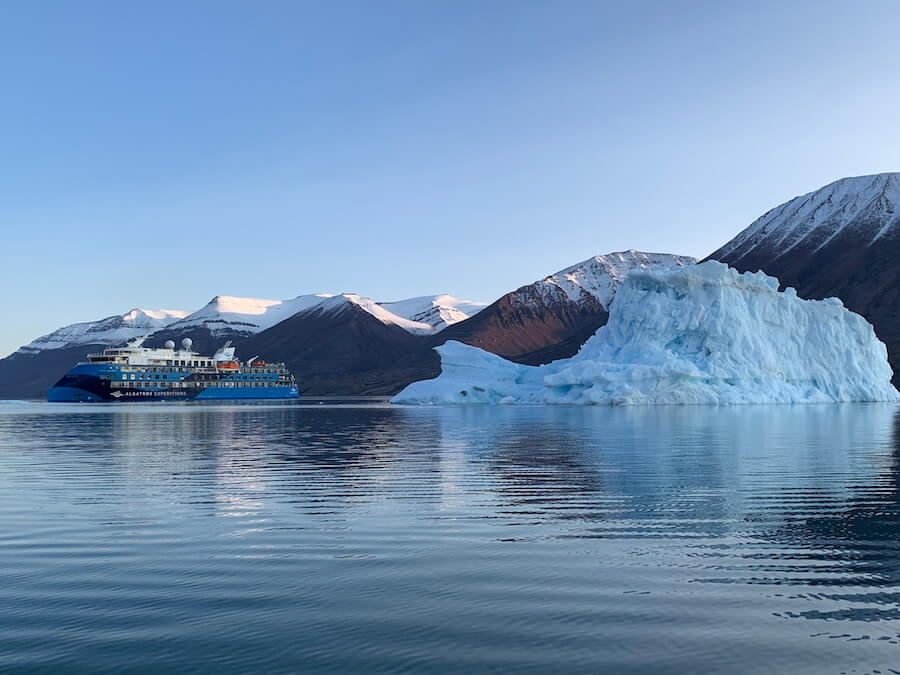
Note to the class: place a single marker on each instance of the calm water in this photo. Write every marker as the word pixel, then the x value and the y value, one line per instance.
pixel 369 538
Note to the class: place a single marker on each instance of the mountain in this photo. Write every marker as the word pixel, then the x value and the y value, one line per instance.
pixel 419 316
pixel 230 318
pixel 435 311
pixel 33 368
pixel 225 314
pixel 345 346
pixel 551 318
pixel 340 347
pixel 351 344
pixel 842 240
pixel 227 317
pixel 111 330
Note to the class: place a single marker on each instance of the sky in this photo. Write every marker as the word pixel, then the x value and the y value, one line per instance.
pixel 157 154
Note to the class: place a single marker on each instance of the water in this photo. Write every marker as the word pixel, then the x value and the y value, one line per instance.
pixel 235 538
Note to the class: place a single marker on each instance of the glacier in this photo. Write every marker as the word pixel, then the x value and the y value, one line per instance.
pixel 704 334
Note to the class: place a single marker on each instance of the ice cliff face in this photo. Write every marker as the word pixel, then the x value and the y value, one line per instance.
pixel 699 335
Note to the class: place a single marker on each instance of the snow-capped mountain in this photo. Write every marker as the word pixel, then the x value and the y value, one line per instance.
pixel 600 276
pixel 841 240
pixel 35 366
pixel 435 311
pixel 552 317
pixel 424 315
pixel 863 209
pixel 111 330
pixel 230 317
pixel 348 343
pixel 226 314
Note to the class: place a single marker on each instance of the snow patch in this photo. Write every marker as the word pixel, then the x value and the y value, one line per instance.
pixel 698 335
pixel 340 303
pixel 252 315
pixel 435 311
pixel 816 218
pixel 247 315
pixel 111 330
pixel 601 275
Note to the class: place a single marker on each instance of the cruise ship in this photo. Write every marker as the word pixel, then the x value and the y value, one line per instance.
pixel 137 373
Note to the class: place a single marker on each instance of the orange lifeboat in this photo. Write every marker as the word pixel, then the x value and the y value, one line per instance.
pixel 227 365
pixel 259 363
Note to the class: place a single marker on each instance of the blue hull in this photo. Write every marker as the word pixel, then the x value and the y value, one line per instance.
pixel 71 395
pixel 89 383
pixel 226 394
pixel 78 395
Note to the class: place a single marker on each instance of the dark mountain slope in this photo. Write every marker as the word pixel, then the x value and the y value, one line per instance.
pixel 342 350
pixel 527 327
pixel 842 240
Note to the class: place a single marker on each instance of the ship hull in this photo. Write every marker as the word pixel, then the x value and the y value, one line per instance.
pixel 92 384
pixel 67 394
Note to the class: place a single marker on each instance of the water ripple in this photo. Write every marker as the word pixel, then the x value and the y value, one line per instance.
pixel 293 538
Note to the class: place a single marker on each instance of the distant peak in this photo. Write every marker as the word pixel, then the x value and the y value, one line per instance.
pixel 158 314
pixel 866 207
pixel 598 277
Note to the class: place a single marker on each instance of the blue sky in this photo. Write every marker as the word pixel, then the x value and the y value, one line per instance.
pixel 157 154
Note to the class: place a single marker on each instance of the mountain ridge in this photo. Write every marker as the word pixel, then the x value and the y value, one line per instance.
pixel 842 240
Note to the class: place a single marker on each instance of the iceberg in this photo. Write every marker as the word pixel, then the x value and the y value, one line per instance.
pixel 704 334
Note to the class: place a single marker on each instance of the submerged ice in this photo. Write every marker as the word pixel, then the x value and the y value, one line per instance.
pixel 698 335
